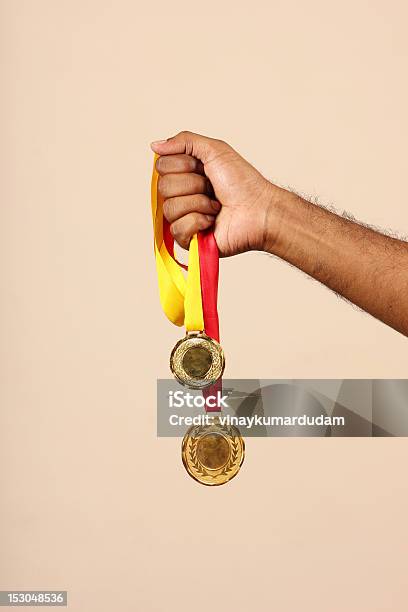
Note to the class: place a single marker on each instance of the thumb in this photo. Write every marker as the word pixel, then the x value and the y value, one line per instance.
pixel 202 148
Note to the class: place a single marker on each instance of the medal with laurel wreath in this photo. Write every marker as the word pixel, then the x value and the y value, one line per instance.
pixel 213 454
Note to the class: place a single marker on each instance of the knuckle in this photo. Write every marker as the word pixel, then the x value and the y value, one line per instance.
pixel 168 209
pixel 195 220
pixel 163 185
pixel 179 234
pixel 191 163
pixel 204 222
pixel 175 231
pixel 187 138
pixel 199 184
pixel 163 164
pixel 203 201
pixel 159 164
pixel 222 145
pixel 198 222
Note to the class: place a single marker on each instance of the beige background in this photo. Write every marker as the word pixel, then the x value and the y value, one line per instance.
pixel 315 95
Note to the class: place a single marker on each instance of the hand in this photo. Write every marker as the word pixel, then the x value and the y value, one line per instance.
pixel 205 181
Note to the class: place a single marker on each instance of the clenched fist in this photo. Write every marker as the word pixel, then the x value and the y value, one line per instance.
pixel 205 182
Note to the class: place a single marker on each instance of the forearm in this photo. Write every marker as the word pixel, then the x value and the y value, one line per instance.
pixel 364 266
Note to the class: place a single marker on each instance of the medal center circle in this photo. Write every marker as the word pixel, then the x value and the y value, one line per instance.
pixel 197 361
pixel 213 451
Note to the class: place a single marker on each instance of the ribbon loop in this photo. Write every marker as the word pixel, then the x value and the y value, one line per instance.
pixel 180 297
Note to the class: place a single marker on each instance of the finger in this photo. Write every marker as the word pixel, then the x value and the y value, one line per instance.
pixel 184 229
pixel 205 149
pixel 175 208
pixel 172 185
pixel 175 164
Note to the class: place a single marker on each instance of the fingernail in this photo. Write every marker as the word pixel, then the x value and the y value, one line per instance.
pixel 156 142
pixel 210 217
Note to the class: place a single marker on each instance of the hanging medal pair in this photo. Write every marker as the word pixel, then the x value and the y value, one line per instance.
pixel 211 454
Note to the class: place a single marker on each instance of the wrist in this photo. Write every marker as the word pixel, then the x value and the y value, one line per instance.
pixel 275 232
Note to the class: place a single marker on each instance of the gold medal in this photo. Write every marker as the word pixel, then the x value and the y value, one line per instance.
pixel 197 361
pixel 213 454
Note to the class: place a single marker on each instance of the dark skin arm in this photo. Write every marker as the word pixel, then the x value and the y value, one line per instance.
pixel 205 182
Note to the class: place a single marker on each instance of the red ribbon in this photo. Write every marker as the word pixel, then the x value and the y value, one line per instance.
pixel 209 269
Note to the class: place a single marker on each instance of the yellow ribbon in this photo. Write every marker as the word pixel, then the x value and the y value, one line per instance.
pixel 180 297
